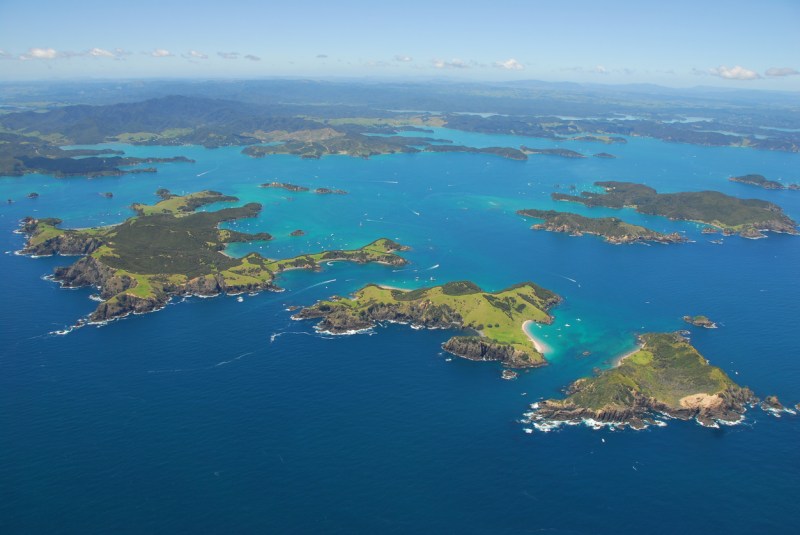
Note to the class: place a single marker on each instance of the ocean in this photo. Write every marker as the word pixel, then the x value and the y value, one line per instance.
pixel 215 415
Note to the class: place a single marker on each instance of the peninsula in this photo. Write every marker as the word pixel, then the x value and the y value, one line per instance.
pixel 612 229
pixel 747 217
pixel 665 377
pixel 169 249
pixel 496 318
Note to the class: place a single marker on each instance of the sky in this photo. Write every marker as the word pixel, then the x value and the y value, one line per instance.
pixel 678 43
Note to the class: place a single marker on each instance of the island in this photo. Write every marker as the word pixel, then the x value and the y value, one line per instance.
pixel 762 182
pixel 497 319
pixel 612 229
pixel 750 218
pixel 329 191
pixel 700 321
pixel 665 378
pixel 604 155
pixel 284 185
pixel 505 152
pixel 564 153
pixel 33 195
pixel 169 249
pixel 608 140
pixel 296 233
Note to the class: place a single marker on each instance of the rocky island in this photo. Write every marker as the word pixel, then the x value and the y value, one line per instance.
pixel 762 182
pixel 612 229
pixel 169 249
pixel 700 321
pixel 749 218
pixel 665 377
pixel 496 318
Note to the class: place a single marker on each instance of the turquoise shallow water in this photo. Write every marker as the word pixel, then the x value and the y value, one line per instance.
pixel 214 415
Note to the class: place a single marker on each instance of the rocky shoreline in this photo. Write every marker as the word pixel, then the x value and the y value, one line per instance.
pixel 458 305
pixel 169 250
pixel 665 378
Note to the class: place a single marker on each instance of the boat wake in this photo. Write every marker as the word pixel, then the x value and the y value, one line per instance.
pixel 275 336
pixel 224 362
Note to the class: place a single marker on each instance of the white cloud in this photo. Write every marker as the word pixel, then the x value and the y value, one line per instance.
pixel 101 53
pixel 228 55
pixel 599 69
pixel 251 57
pixel 452 64
pixel 510 64
pixel 122 52
pixel 782 71
pixel 4 54
pixel 40 53
pixel 161 53
pixel 194 54
pixel 734 73
pixel 404 59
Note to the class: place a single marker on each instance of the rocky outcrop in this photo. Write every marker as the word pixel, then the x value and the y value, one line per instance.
pixel 64 243
pixel 89 271
pixel 477 348
pixel 124 304
pixel 337 320
pixel 727 406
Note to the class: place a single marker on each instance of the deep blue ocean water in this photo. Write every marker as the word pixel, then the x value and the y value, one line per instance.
pixel 215 416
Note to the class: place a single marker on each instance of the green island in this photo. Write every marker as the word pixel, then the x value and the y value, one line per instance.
pixel 564 153
pixel 604 155
pixel 612 229
pixel 506 152
pixel 700 321
pixel 665 377
pixel 284 185
pixel 169 249
pixel 747 217
pixel 497 318
pixel 762 182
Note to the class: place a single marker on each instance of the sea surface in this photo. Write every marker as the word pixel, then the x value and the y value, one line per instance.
pixel 220 416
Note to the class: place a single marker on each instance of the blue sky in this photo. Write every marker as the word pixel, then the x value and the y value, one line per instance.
pixel 731 43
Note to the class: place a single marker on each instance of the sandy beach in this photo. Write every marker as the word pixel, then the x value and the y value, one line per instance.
pixel 619 360
pixel 540 346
